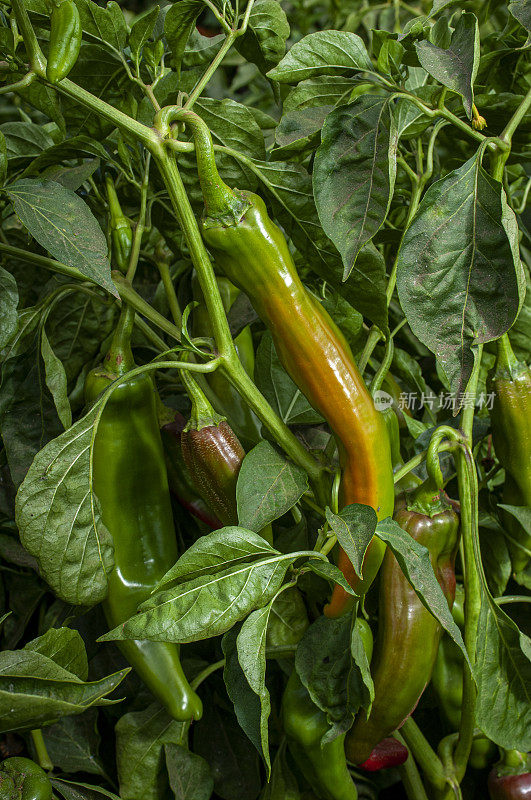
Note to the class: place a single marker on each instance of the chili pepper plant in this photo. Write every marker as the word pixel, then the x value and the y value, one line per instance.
pixel 265 400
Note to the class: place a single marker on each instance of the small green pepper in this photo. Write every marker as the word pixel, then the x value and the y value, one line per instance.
pixel 65 40
pixel 121 231
pixel 22 779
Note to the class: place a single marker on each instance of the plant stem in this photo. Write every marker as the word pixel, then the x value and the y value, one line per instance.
pixel 40 748
pixel 204 79
pixel 36 58
pixel 169 288
pixel 507 134
pixel 128 295
pixel 468 496
pixel 424 754
pixel 410 776
pixel 139 230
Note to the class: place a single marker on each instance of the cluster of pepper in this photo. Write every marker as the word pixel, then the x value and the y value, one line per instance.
pixel 203 458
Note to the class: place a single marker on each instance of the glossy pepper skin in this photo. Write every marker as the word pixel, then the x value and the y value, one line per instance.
pixel 511 778
pixel 121 231
pixel 511 436
pixel 130 482
pixel 225 397
pixel 212 454
pixel 65 40
pixel 409 481
pixel 408 635
pixel 22 779
pixel 387 754
pixel 179 480
pixel 253 253
pixel 447 683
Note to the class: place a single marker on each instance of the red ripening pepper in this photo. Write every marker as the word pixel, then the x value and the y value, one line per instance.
pixel 387 754
pixel 408 635
pixel 179 480
pixel 511 778
pixel 212 454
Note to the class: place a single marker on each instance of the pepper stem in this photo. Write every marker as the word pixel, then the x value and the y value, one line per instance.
pixel 428 499
pixel 506 363
pixel 220 200
pixel 119 359
pixel 202 414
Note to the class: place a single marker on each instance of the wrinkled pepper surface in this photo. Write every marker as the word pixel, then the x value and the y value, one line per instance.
pixel 253 253
pixel 130 482
pixel 511 436
pixel 408 635
pixel 22 779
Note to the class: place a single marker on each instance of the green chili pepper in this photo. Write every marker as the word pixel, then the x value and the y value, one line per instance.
pixel 408 635
pixel 65 40
pixel 324 767
pixel 130 482
pixel 511 436
pixel 22 779
pixel 225 397
pixel 121 231
pixel 410 481
pixel 253 253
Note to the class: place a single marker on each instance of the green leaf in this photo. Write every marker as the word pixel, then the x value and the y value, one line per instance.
pixel 414 561
pixel 74 790
pixel 280 391
pixel 218 601
pixel 73 744
pixel 322 53
pixel 247 704
pixel 59 519
pixel 521 10
pixel 217 551
pixel 334 681
pixel 288 618
pixel 24 139
pixel 35 691
pixel 3 159
pixel 56 381
pixel 232 125
pixel 329 572
pixel 354 527
pixel 520 513
pixel 326 90
pixel 107 24
pixel 299 130
pixel 140 758
pixel 251 647
pixel 503 677
pixel 264 41
pixel 142 29
pixel 65 647
pixel 8 306
pixel 268 486
pixel 354 174
pixel 64 225
pixel 178 25
pixel 459 277
pixel 456 68
pixel 190 776
pixel 282 785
